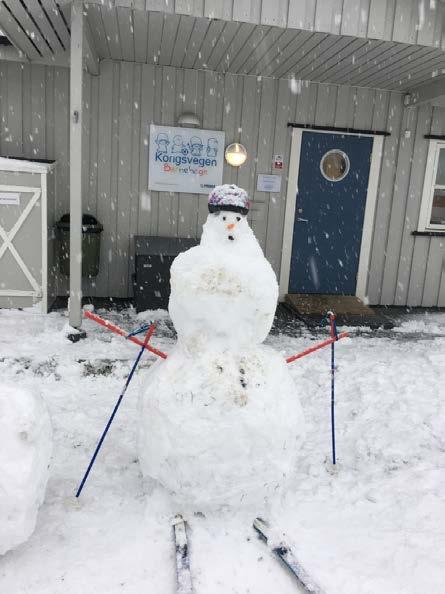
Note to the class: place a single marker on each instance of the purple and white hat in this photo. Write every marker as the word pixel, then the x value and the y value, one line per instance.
pixel 229 197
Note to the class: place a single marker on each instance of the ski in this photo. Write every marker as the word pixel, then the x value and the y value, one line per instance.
pixel 284 553
pixel 183 575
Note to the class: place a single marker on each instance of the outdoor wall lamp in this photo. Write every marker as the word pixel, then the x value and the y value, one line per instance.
pixel 189 120
pixel 235 154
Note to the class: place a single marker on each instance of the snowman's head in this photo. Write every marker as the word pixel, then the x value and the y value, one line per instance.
pixel 229 225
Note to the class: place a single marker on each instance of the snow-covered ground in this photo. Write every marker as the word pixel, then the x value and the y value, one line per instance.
pixel 375 525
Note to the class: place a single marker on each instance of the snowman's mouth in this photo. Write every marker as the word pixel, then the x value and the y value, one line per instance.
pixel 231 237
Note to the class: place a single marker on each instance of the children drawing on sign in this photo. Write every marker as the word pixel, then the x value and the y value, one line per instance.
pixel 212 147
pixel 178 145
pixel 162 141
pixel 196 146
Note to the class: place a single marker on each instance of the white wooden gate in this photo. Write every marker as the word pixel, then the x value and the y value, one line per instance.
pixel 21 249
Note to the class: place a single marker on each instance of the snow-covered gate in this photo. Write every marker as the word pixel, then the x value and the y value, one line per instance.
pixel 248 68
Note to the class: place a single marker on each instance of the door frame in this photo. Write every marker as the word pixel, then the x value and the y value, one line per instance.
pixel 291 203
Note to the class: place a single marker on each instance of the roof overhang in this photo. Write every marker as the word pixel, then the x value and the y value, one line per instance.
pixel 41 33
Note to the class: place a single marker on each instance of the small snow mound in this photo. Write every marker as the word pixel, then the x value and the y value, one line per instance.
pixel 25 450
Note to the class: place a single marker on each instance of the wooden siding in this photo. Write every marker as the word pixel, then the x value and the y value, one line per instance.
pixel 408 21
pixel 126 97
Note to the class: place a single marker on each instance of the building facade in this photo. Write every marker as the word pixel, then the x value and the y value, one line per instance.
pixel 366 76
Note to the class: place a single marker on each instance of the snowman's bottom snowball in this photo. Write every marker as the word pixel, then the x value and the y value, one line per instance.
pixel 25 450
pixel 221 428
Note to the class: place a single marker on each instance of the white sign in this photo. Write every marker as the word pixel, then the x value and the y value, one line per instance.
pixel 185 159
pixel 11 198
pixel 268 183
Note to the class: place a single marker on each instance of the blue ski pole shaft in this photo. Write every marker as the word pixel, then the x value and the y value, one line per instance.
pixel 333 401
pixel 113 414
pixel 334 335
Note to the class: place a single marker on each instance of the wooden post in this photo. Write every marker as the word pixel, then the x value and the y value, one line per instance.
pixel 76 83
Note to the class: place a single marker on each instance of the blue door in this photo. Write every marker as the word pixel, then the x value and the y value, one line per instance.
pixel 330 207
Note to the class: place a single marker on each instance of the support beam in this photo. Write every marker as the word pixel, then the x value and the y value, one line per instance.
pixel 432 92
pixel 76 86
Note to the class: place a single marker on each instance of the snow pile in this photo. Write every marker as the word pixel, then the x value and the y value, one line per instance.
pixel 221 423
pixel 376 526
pixel 25 450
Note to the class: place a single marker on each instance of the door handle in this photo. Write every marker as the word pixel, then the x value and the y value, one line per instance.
pixel 301 220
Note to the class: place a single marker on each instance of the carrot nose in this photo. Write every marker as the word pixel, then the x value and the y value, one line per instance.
pixel 230 226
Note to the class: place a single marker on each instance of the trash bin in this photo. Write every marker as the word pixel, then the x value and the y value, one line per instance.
pixel 91 231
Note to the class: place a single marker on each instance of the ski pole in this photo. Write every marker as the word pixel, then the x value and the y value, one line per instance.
pixel 334 336
pixel 110 420
pixel 317 347
pixel 117 330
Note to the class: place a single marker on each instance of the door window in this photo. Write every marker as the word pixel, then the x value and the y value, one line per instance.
pixel 334 165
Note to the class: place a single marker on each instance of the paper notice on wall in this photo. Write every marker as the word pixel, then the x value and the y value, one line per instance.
pixel 268 183
pixel 10 198
pixel 185 159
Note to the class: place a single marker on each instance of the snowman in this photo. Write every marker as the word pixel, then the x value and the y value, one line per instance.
pixel 220 420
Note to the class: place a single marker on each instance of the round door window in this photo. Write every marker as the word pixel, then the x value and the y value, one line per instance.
pixel 334 165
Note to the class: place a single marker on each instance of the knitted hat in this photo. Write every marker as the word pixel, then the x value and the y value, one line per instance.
pixel 229 197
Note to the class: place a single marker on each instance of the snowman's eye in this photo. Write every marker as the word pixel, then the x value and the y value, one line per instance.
pixel 224 218
pixel 238 218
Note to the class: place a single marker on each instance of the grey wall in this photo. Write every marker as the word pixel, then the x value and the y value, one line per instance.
pixel 126 97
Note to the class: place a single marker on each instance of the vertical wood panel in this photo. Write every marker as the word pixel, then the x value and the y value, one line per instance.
pixel 281 145
pixel 14 139
pixel 248 11
pixel 104 199
pixel 274 13
pixel 384 198
pixel 267 114
pixel 405 21
pixel 136 126
pixel 120 268
pixel 344 115
pixel 350 17
pixel 211 120
pixel 302 14
pixel 377 18
pixel 364 108
pixel 147 117
pixel 49 112
pixel 218 9
pixel 418 166
pixel 326 102
pixel 168 201
pixel 233 89
pixel 249 132
pixel 328 16
pixel 401 183
pixel 188 203
pixel 37 133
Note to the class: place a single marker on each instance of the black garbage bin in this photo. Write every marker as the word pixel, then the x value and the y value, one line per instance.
pixel 91 232
pixel 153 258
